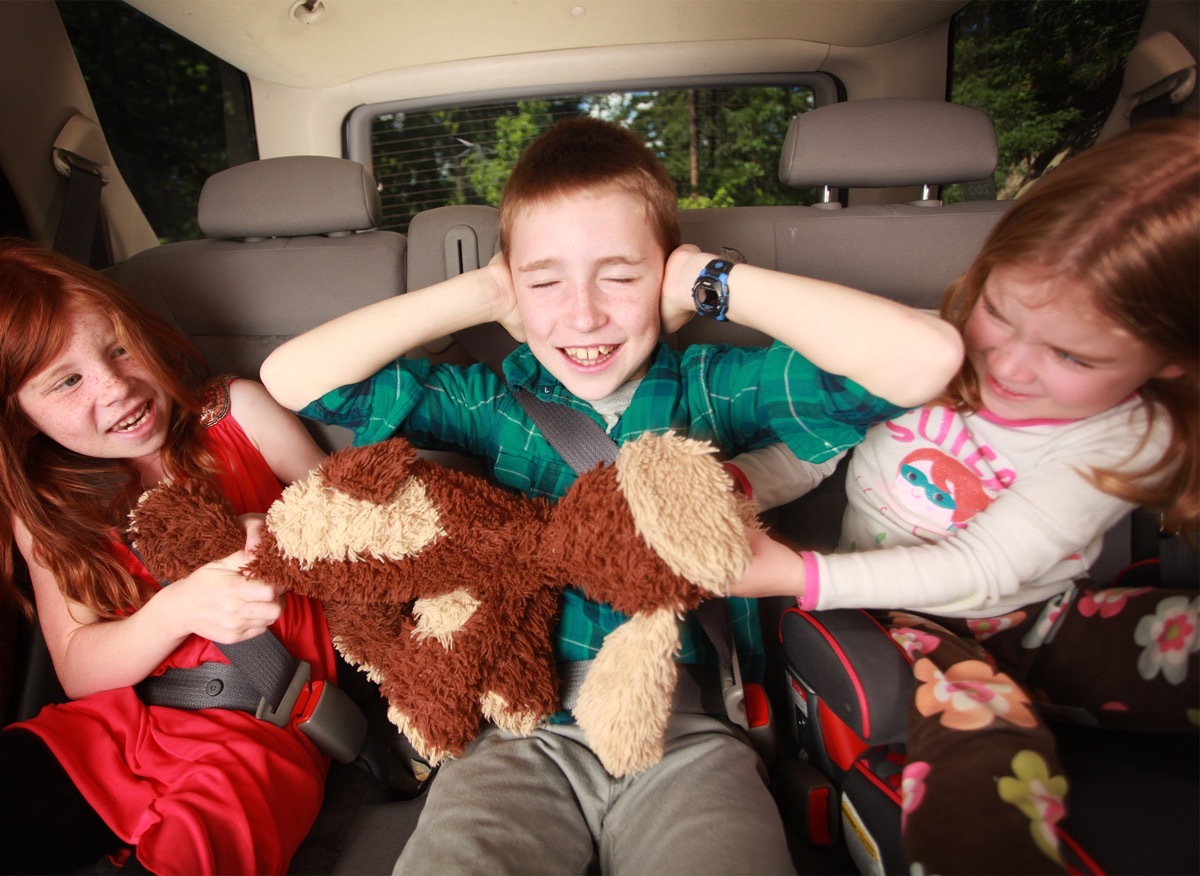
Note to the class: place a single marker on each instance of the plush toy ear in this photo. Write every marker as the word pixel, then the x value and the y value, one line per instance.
pixel 178 527
pixel 371 473
pixel 652 535
pixel 686 509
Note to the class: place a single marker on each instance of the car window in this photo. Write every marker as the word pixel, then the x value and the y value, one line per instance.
pixel 173 113
pixel 719 141
pixel 1046 72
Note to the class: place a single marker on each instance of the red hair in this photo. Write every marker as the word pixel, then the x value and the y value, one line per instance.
pixel 1122 220
pixel 72 503
pixel 590 155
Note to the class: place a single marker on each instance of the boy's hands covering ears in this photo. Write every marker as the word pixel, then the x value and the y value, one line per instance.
pixel 675 304
pixel 507 312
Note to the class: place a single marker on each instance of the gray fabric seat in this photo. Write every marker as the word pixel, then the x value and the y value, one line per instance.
pixel 291 243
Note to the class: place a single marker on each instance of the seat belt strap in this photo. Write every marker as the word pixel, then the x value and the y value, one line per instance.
pixel 263 678
pixel 266 664
pixel 210 685
pixel 79 154
pixel 77 224
pixel 713 615
pixel 579 439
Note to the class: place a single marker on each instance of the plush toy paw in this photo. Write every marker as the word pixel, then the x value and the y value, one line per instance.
pixel 178 528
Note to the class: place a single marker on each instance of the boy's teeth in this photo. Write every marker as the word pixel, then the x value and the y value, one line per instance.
pixel 588 354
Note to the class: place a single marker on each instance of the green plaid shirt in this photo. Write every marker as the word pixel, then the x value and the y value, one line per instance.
pixel 738 398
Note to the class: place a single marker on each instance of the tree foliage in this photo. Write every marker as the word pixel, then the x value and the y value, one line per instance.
pixel 1047 72
pixel 720 146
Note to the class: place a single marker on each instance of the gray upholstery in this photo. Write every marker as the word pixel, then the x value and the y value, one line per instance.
pixel 447 241
pixel 900 251
pixel 290 197
pixel 885 142
pixel 908 252
pixel 299 249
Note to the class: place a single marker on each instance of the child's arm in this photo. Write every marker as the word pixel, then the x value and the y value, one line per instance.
pixel 1030 536
pixel 279 436
pixel 91 654
pixel 773 476
pixel 354 346
pixel 896 352
pixel 217 601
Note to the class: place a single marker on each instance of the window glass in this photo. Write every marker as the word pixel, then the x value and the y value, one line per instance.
pixel 172 113
pixel 720 144
pixel 1047 72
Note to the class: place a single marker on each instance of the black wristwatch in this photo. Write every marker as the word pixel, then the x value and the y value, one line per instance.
pixel 711 290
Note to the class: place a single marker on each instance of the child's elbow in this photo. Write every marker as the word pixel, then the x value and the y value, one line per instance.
pixel 940 358
pixel 273 374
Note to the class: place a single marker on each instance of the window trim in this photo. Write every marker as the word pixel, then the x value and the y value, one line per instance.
pixel 357 127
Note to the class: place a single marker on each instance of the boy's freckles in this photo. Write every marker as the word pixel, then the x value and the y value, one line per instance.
pixel 588 273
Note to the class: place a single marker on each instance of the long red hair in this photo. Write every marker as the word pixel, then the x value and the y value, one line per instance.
pixel 1123 220
pixel 72 504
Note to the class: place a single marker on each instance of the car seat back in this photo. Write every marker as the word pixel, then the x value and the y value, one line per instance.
pixel 909 252
pixel 291 243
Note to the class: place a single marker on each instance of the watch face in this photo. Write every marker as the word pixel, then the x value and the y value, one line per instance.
pixel 710 293
pixel 707 296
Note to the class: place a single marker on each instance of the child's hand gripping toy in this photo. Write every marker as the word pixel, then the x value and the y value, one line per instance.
pixel 445 589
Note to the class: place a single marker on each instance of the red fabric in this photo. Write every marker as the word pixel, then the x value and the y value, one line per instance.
pixel 210 791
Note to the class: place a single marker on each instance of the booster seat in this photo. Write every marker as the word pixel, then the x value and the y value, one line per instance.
pixel 1134 802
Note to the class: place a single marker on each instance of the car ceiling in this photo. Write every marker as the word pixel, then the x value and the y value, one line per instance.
pixel 281 42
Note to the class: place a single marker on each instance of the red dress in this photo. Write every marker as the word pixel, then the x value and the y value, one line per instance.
pixel 210 791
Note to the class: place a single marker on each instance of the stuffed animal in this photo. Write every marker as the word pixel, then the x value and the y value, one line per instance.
pixel 445 589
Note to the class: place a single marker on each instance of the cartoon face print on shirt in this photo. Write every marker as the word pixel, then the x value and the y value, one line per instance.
pixel 939 490
pixel 928 476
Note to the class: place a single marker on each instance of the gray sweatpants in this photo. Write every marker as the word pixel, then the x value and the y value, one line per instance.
pixel 544 804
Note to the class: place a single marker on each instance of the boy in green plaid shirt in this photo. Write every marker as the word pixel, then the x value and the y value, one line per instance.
pixel 589 275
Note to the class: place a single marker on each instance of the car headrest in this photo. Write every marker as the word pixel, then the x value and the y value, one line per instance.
pixel 291 196
pixel 884 142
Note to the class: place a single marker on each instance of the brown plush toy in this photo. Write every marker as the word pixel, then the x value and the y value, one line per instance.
pixel 445 589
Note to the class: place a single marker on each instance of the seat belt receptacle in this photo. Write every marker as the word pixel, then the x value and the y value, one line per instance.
pixel 323 712
pixel 332 721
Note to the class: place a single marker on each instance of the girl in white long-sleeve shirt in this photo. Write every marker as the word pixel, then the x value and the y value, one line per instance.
pixel 979 515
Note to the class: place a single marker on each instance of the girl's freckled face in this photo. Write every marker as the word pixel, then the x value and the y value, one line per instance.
pixel 94 398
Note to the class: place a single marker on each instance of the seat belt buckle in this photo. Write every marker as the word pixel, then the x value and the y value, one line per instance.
pixel 748 707
pixel 323 712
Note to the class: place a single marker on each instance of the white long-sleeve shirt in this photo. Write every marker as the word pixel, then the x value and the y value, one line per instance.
pixel 974 516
